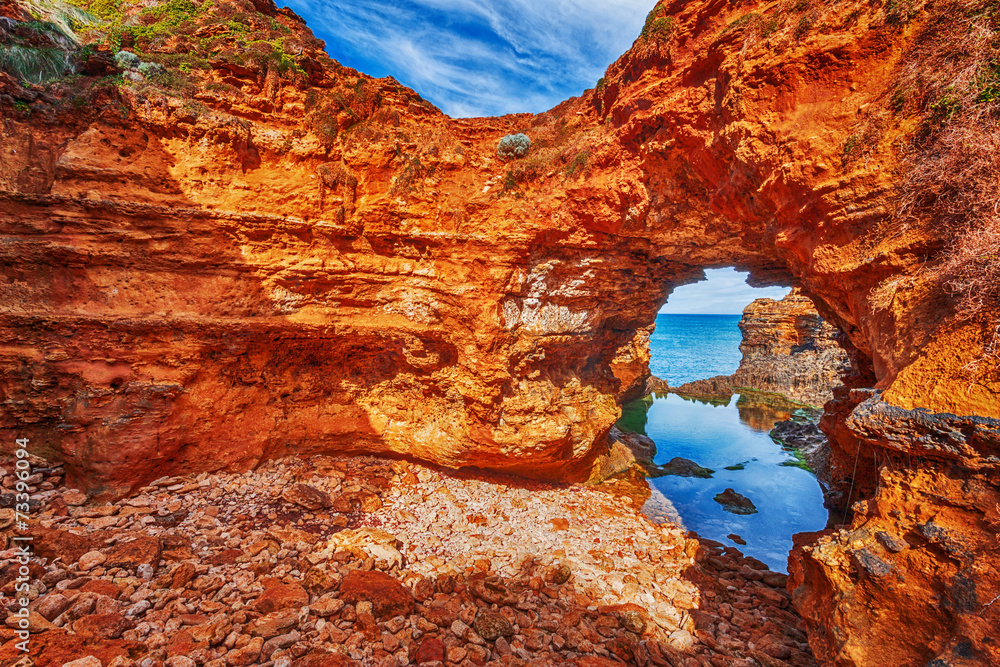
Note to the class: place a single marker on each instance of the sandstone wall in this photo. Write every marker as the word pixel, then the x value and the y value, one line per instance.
pixel 205 282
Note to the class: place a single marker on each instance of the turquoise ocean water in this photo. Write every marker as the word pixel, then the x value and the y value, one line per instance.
pixel 694 347
pixel 734 434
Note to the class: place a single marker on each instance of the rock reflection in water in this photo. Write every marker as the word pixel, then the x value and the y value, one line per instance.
pixel 730 437
pixel 762 411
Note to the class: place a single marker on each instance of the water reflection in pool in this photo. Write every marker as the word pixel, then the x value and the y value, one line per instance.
pixel 732 434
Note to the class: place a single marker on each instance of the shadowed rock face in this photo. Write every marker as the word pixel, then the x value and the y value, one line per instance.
pixel 188 290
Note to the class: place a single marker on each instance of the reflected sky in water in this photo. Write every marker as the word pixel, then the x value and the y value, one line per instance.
pixel 788 499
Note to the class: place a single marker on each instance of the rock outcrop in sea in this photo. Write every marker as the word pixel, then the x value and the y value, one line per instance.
pixel 789 349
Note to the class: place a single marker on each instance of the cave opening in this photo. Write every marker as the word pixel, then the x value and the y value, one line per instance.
pixel 739 375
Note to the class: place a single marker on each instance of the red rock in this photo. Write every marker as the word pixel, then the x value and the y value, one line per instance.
pixel 182 575
pixel 55 648
pixel 278 596
pixel 356 501
pixel 54 543
pixel 431 650
pixel 367 626
pixel 225 557
pixel 323 659
pixel 306 496
pixel 389 598
pixel 101 587
pixel 52 604
pixel 594 661
pixel 192 619
pixel 133 553
pixel 103 626
pixel 247 655
pixel 184 643
pixel 273 624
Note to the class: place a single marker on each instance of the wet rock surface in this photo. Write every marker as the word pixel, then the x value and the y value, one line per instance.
pixel 446 569
pixel 734 502
pixel 680 467
pixel 803 436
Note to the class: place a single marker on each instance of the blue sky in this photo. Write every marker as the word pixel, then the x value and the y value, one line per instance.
pixel 480 57
pixel 724 291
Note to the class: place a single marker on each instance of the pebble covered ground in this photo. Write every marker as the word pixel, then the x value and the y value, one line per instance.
pixel 308 562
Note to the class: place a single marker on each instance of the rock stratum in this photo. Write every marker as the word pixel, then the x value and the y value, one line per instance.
pixel 789 349
pixel 259 252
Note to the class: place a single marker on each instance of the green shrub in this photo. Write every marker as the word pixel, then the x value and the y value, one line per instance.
pixel 806 22
pixel 108 10
pixel 150 69
pixel 513 146
pixel 945 108
pixel 173 12
pixel 658 25
pixel 989 84
pixel 577 165
pixel 742 22
pixel 127 60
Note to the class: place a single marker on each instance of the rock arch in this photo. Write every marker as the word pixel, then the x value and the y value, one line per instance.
pixel 167 312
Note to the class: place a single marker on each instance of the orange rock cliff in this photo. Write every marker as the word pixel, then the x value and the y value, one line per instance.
pixel 789 349
pixel 257 252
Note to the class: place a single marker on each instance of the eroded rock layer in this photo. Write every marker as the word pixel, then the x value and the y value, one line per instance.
pixel 789 349
pixel 280 254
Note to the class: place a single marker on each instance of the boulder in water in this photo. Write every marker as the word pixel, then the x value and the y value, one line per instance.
pixel 680 467
pixel 735 502
pixel 719 387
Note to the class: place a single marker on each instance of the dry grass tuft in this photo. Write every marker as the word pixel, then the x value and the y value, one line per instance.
pixel 952 81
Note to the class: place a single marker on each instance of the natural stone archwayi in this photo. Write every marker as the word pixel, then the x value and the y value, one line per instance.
pixel 180 285
pixel 448 319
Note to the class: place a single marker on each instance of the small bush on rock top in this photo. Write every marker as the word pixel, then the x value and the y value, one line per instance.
pixel 151 69
pixel 659 25
pixel 127 60
pixel 513 146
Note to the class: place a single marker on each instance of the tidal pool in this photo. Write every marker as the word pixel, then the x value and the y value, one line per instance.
pixel 732 434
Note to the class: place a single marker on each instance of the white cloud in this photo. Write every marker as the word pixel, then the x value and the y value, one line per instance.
pixel 724 291
pixel 480 58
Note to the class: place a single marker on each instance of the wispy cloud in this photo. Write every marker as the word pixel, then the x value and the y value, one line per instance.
pixel 480 58
pixel 725 291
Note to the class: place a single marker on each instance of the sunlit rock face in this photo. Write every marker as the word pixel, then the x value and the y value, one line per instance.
pixel 789 349
pixel 203 286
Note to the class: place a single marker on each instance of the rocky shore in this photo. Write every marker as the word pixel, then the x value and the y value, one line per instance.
pixel 788 349
pixel 309 562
